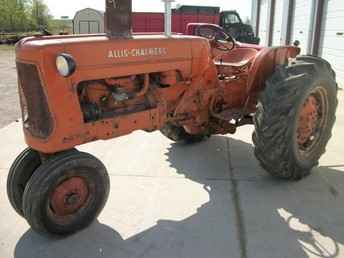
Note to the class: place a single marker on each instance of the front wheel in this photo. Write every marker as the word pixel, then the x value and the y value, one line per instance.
pixel 20 173
pixel 66 193
pixel 295 117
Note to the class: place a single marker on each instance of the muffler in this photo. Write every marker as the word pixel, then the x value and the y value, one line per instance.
pixel 118 22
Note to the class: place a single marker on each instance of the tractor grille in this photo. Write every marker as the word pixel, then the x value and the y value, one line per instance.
pixel 36 116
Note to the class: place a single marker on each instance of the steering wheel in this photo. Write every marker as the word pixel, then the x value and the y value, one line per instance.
pixel 222 45
pixel 218 38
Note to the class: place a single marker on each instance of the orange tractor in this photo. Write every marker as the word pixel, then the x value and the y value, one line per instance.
pixel 79 89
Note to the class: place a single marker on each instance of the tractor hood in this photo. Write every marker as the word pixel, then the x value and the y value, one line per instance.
pixel 102 52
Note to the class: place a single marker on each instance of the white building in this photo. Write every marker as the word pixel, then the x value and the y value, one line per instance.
pixel 317 24
pixel 88 21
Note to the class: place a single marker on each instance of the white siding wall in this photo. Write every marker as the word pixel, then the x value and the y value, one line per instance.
pixel 332 37
pixel 278 20
pixel 303 20
pixel 263 23
pixel 88 21
pixel 254 15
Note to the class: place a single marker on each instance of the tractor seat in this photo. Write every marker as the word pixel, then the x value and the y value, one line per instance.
pixel 237 58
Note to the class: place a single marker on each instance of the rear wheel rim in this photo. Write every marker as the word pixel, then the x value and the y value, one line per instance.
pixel 312 121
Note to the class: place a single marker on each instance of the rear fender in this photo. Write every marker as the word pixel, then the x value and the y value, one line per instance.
pixel 265 64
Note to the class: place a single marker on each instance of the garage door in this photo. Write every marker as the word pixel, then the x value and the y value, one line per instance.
pixel 94 27
pixel 83 27
pixel 278 20
pixel 332 37
pixel 89 27
pixel 263 23
pixel 302 24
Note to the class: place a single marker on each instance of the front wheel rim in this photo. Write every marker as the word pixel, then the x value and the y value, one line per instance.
pixel 69 197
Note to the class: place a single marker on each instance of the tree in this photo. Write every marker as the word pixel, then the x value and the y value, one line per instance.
pixel 13 15
pixel 40 14
pixel 22 20
pixel 23 15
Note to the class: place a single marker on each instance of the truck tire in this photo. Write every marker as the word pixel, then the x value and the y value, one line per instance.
pixel 66 194
pixel 178 134
pixel 295 116
pixel 19 174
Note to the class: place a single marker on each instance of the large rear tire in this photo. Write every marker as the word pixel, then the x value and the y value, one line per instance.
pixel 295 117
pixel 178 134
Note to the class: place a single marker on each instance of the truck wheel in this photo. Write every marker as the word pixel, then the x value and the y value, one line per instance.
pixel 178 134
pixel 66 193
pixel 20 172
pixel 295 117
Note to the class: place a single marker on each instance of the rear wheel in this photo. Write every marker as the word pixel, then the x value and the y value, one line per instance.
pixel 178 134
pixel 295 117
pixel 66 193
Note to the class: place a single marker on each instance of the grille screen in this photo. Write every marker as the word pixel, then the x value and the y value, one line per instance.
pixel 36 116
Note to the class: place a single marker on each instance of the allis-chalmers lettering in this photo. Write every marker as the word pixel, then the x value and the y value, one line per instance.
pixel 137 52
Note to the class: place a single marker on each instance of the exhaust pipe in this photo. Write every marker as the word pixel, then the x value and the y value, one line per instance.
pixel 168 17
pixel 118 18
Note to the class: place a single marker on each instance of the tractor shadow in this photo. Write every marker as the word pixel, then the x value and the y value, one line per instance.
pixel 279 219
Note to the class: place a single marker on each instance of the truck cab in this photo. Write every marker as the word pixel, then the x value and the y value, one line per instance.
pixel 233 25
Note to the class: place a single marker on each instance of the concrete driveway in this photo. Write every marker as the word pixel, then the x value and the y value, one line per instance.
pixel 209 200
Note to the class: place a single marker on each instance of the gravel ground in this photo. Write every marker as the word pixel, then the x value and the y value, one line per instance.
pixel 9 108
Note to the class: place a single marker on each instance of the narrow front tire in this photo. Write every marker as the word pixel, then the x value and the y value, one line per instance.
pixel 66 194
pixel 19 174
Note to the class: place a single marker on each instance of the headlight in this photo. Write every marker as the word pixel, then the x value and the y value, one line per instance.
pixel 65 65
